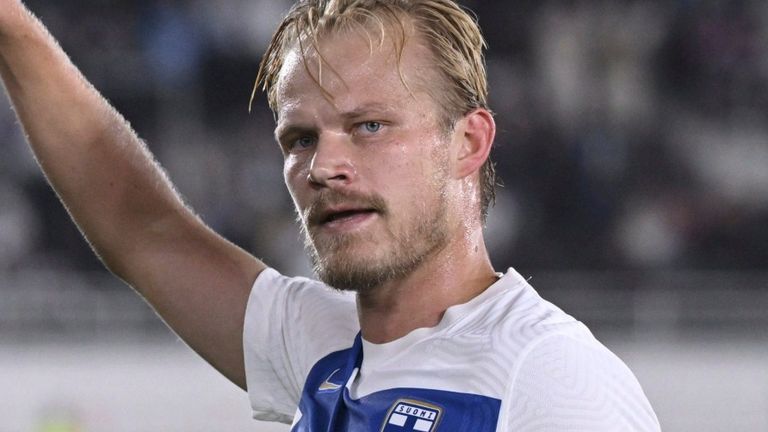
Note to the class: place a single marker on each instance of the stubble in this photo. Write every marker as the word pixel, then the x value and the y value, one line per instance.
pixel 364 261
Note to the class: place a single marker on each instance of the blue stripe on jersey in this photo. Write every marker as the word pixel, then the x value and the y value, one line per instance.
pixel 326 406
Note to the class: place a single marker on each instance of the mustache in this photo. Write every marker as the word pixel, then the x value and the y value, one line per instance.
pixel 320 208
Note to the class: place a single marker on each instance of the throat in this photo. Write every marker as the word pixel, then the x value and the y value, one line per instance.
pixel 421 299
pixel 394 310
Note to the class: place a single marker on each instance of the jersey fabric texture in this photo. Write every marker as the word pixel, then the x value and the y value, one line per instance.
pixel 505 361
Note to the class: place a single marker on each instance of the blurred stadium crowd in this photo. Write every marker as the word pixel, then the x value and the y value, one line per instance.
pixel 632 135
pixel 632 141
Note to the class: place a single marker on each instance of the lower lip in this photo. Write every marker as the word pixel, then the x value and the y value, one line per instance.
pixel 349 223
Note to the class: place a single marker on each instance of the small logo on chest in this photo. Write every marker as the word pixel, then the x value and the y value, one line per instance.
pixel 412 415
pixel 328 385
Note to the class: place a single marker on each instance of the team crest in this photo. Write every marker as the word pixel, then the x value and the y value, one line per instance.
pixel 407 415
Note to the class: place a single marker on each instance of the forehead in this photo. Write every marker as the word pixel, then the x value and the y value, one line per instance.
pixel 346 69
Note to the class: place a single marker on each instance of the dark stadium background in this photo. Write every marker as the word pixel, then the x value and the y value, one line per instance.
pixel 633 148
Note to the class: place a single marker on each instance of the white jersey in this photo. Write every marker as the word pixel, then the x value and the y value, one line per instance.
pixel 507 360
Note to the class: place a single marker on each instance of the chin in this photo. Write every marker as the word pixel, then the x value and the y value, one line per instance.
pixel 349 270
pixel 364 261
pixel 364 273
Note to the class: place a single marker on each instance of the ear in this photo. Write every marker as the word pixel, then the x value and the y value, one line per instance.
pixel 475 133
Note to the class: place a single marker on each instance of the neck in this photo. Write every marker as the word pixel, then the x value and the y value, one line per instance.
pixel 454 275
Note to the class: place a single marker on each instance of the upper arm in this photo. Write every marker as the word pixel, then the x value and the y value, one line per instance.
pixel 564 383
pixel 199 283
pixel 121 199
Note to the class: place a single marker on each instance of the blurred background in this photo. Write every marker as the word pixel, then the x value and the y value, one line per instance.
pixel 633 148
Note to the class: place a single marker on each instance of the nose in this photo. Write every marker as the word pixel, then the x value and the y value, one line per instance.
pixel 331 164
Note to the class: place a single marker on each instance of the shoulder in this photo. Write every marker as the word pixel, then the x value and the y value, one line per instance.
pixel 298 307
pixel 567 380
pixel 290 324
pixel 515 316
pixel 558 375
pixel 272 289
pixel 575 383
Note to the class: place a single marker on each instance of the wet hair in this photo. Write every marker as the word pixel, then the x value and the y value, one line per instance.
pixel 449 31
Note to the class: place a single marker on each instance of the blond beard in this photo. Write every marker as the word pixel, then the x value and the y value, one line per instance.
pixel 407 247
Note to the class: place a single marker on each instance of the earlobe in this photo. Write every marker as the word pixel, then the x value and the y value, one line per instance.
pixel 479 130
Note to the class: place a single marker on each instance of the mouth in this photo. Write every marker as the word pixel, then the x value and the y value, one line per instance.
pixel 335 213
pixel 341 219
pixel 340 216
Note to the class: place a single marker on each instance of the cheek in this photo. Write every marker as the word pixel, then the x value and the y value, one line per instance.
pixel 412 170
pixel 390 168
pixel 295 176
pixel 426 162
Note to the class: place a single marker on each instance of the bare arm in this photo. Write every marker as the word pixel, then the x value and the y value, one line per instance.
pixel 121 199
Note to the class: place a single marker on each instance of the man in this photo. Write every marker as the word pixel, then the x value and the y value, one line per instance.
pixel 382 117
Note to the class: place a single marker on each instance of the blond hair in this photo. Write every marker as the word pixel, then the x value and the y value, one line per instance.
pixel 450 32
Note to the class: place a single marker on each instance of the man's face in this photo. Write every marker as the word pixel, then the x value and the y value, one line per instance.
pixel 366 161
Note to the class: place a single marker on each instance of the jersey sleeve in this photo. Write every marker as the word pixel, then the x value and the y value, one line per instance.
pixel 290 323
pixel 565 382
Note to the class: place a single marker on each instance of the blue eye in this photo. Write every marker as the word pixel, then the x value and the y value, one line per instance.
pixel 304 142
pixel 372 126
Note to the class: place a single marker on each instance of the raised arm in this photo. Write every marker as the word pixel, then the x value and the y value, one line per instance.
pixel 121 199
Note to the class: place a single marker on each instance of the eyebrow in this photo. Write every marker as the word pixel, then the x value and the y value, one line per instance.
pixel 365 109
pixel 283 133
